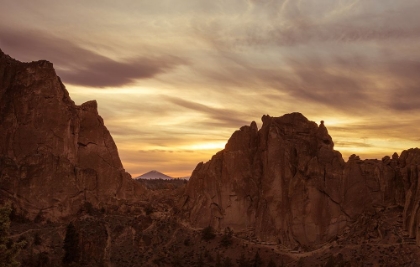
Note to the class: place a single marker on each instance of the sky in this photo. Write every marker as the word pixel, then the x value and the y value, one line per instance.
pixel 175 78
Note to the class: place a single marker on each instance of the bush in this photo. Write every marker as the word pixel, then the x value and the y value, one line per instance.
pixel 257 260
pixel 208 233
pixel 37 239
pixel 148 209
pixel 9 249
pixel 227 238
pixel 22 240
pixel 88 207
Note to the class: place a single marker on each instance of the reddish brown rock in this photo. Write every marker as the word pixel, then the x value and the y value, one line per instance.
pixel 54 155
pixel 285 183
pixel 409 162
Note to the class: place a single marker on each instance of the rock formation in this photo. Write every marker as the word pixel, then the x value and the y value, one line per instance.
pixel 409 172
pixel 286 184
pixel 54 155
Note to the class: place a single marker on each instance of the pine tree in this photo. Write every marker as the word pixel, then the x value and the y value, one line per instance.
pixel 227 238
pixel 8 249
pixel 71 245
pixel 208 233
pixel 257 260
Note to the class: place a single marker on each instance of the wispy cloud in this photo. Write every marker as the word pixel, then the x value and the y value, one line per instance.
pixel 220 116
pixel 80 66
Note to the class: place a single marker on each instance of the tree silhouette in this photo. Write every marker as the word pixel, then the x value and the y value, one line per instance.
pixel 71 245
pixel 208 233
pixel 227 238
pixel 257 260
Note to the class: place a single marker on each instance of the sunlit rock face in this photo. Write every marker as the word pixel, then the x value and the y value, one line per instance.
pixel 286 184
pixel 54 155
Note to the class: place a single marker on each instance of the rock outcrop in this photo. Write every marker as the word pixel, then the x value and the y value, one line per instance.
pixel 54 155
pixel 409 171
pixel 286 184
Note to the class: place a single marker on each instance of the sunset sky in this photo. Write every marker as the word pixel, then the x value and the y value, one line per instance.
pixel 174 79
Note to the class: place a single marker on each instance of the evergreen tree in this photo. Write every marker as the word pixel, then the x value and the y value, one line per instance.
pixel 227 238
pixel 8 249
pixel 71 245
pixel 208 233
pixel 257 260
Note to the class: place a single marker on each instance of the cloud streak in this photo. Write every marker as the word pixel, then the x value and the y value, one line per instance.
pixel 220 116
pixel 80 66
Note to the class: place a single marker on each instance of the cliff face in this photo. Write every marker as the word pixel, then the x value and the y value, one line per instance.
pixel 409 171
pixel 286 184
pixel 54 155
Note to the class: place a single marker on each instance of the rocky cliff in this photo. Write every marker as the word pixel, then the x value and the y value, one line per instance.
pixel 286 184
pixel 54 155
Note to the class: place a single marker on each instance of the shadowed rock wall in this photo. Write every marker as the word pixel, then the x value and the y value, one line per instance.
pixel 54 155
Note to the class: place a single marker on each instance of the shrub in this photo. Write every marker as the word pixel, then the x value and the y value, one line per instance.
pixel 148 209
pixel 9 249
pixel 257 260
pixel 227 238
pixel 208 233
pixel 88 207
pixel 37 239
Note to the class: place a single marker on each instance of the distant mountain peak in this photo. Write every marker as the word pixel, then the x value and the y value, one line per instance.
pixel 154 174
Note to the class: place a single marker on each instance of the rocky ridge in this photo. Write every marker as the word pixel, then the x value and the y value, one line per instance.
pixel 285 184
pixel 278 188
pixel 54 155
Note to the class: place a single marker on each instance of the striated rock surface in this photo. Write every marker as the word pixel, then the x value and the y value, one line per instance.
pixel 54 155
pixel 286 184
pixel 409 164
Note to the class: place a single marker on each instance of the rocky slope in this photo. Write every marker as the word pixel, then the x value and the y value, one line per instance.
pixel 286 184
pixel 54 155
